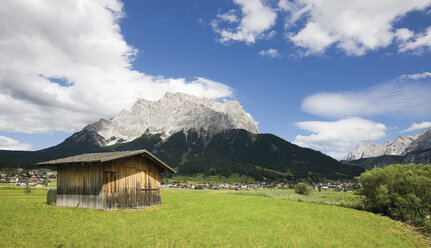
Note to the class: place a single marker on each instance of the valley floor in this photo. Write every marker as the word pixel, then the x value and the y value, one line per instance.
pixel 192 218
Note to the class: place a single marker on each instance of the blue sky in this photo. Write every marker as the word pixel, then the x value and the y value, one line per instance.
pixel 322 76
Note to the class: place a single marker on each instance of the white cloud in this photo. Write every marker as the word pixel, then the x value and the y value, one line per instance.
pixel 416 76
pixel 417 126
pixel 354 26
pixel 12 144
pixel 403 34
pixel 256 21
pixel 273 53
pixel 230 16
pixel 64 64
pixel 409 99
pixel 337 155
pixel 337 138
pixel 417 43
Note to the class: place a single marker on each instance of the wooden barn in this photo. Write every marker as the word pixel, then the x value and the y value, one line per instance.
pixel 109 180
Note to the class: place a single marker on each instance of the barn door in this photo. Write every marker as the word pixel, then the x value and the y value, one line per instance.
pixel 110 190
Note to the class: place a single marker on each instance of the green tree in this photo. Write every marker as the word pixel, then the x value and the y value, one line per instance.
pixel 356 186
pixel 45 181
pixel 301 188
pixel 399 191
pixel 344 188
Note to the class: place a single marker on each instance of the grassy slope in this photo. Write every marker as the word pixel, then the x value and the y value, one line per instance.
pixel 197 219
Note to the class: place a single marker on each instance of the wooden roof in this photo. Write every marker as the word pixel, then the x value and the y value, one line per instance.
pixel 104 157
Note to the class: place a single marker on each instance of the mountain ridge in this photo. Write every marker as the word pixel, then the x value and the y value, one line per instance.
pixel 417 152
pixel 400 146
pixel 260 156
pixel 172 113
pixel 195 135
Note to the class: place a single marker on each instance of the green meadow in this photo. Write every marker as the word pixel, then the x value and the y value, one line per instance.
pixel 193 218
pixel 342 199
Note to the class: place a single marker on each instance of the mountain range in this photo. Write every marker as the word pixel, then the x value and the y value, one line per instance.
pixel 404 149
pixel 173 113
pixel 195 135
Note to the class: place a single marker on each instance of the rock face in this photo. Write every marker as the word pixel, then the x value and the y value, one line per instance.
pixel 371 149
pixel 174 112
pixel 422 142
pixel 401 146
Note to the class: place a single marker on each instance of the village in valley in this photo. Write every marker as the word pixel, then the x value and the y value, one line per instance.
pixel 344 186
pixel 43 178
pixel 27 177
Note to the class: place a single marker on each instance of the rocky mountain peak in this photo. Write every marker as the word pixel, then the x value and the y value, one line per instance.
pixel 399 146
pixel 422 142
pixel 172 113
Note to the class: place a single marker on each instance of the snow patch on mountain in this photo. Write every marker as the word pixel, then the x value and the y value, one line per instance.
pixel 174 112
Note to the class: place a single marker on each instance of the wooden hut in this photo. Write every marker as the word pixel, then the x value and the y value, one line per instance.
pixel 109 180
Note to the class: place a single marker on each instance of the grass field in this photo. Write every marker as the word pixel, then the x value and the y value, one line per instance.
pixel 192 218
pixel 342 199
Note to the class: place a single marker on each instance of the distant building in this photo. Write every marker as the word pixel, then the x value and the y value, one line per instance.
pixel 110 180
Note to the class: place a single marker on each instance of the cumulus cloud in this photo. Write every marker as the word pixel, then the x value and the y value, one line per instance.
pixel 257 19
pixel 273 53
pixel 65 64
pixel 337 138
pixel 409 99
pixel 416 76
pixel 417 126
pixel 355 26
pixel 12 144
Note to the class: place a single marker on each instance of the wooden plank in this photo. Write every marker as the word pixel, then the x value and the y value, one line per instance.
pixel 123 183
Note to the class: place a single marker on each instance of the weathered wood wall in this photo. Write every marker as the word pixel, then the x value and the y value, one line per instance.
pixel 80 185
pixel 131 183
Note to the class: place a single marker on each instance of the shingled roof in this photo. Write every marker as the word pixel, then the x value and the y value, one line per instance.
pixel 104 157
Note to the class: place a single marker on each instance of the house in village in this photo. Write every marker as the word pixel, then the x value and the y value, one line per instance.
pixel 110 180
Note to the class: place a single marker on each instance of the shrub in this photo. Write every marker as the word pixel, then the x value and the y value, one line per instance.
pixel 51 196
pixel 427 224
pixel 356 186
pixel 399 191
pixel 27 190
pixel 301 188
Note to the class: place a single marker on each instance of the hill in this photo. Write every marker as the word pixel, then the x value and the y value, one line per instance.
pixel 260 156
